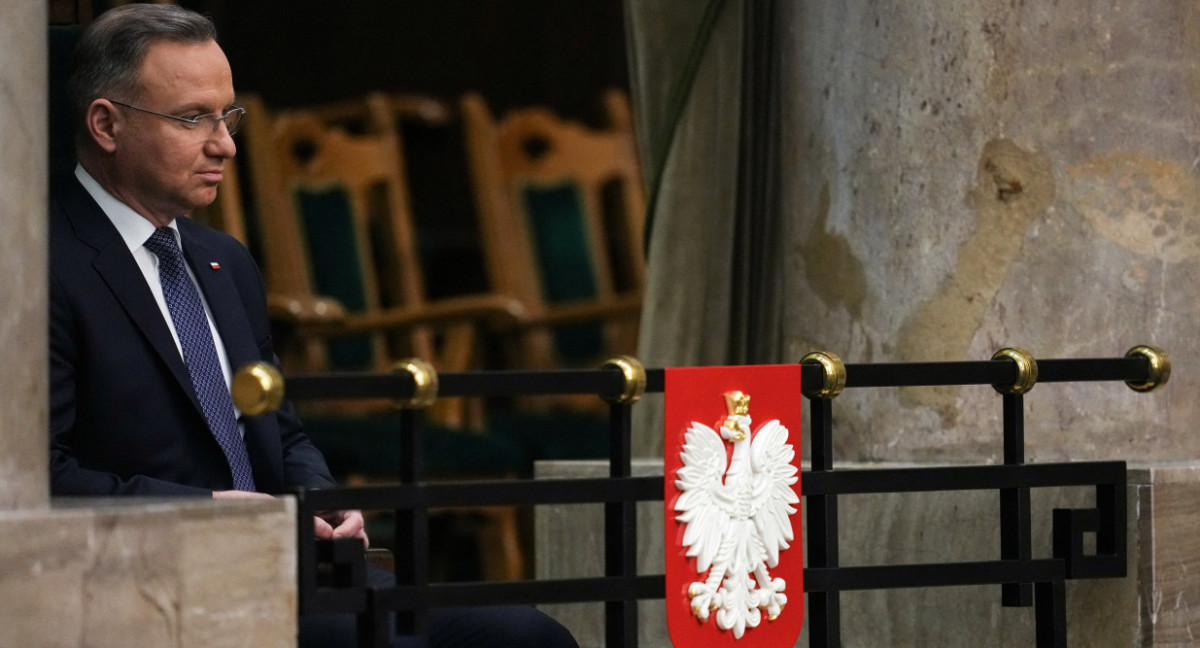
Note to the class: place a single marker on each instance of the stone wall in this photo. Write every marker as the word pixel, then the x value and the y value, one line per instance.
pixel 135 572
pixel 23 331
pixel 963 177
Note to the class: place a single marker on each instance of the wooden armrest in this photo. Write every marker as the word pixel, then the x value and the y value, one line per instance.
pixel 499 311
pixel 626 305
pixel 304 309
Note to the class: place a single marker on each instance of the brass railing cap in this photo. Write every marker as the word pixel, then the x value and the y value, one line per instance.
pixel 425 380
pixel 834 380
pixel 1027 371
pixel 1160 367
pixel 635 379
pixel 257 388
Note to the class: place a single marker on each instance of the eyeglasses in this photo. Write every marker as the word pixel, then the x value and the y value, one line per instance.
pixel 232 118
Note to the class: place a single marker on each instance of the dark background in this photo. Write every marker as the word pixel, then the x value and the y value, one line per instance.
pixel 557 53
pixel 561 54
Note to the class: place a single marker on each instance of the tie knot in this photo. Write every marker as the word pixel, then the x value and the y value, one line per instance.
pixel 162 244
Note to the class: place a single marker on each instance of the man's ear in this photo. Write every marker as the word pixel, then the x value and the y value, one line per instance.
pixel 102 124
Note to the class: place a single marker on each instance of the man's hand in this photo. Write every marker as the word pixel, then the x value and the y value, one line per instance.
pixel 341 524
pixel 327 524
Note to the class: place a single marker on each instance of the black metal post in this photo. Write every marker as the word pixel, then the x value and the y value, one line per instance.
pixel 374 628
pixel 1015 533
pixel 824 613
pixel 620 534
pixel 412 524
pixel 1050 615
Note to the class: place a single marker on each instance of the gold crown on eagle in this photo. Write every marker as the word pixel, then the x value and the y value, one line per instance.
pixel 737 403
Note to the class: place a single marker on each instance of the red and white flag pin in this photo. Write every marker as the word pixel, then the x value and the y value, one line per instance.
pixel 215 265
pixel 735 562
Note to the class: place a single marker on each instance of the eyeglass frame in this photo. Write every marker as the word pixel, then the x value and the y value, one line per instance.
pixel 195 121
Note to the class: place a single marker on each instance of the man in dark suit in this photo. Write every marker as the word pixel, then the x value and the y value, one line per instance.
pixel 149 311
pixel 125 414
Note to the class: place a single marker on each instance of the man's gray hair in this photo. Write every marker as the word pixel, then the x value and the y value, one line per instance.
pixel 111 50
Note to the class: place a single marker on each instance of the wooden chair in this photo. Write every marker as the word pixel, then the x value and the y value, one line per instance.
pixel 562 211
pixel 341 257
pixel 345 283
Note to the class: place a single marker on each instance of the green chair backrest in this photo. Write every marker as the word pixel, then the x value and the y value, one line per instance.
pixel 337 267
pixel 564 259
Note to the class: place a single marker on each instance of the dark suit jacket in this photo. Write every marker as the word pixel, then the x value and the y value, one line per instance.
pixel 124 418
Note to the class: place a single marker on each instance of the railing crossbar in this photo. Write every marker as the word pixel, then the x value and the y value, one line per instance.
pixel 874 577
pixel 643 489
pixel 568 590
pixel 608 381
pixel 960 478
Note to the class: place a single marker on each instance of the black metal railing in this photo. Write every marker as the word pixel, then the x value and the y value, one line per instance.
pixel 331 574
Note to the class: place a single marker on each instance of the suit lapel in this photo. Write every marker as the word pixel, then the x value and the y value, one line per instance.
pixel 120 272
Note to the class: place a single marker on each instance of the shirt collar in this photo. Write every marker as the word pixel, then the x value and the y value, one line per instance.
pixel 134 229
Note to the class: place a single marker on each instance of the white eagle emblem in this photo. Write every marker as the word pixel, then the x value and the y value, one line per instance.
pixel 736 520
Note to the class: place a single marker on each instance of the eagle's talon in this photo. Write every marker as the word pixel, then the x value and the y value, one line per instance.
pixel 704 600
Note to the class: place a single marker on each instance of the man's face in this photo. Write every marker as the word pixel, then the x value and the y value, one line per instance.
pixel 163 167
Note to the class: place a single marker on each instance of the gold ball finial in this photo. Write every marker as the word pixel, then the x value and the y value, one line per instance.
pixel 257 388
pixel 1160 367
pixel 1027 371
pixel 635 379
pixel 834 380
pixel 426 380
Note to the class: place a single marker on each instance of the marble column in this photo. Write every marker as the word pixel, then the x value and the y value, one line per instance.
pixel 23 150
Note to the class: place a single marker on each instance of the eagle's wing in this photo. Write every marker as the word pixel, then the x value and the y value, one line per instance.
pixel 703 505
pixel 771 456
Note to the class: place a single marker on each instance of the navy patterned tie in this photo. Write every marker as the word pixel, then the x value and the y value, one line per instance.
pixel 200 354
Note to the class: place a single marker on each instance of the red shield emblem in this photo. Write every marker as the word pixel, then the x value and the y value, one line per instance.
pixel 734 563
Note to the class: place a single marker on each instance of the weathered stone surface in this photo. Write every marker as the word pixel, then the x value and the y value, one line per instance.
pixel 44 559
pixel 1170 606
pixel 132 579
pixel 235 610
pixel 149 573
pixel 967 176
pixel 23 164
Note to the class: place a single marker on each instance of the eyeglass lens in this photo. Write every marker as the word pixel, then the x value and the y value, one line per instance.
pixel 232 119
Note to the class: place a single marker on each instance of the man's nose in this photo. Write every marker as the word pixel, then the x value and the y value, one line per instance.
pixel 221 143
